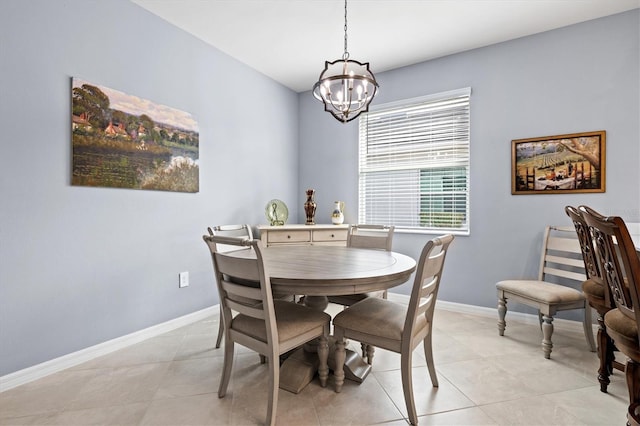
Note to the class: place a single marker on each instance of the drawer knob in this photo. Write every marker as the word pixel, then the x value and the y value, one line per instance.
pixel 333 236
pixel 289 236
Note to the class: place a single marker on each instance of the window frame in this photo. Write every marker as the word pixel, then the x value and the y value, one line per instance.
pixel 456 148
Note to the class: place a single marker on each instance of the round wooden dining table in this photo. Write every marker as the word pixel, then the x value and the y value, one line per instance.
pixel 320 271
pixel 335 270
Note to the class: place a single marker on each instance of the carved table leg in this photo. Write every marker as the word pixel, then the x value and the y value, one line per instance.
pixel 297 371
pixel 338 373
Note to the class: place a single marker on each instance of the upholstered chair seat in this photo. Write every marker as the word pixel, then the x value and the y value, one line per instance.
pixel 292 319
pixel 594 292
pixel 540 291
pixel 351 299
pixel 624 331
pixel 387 318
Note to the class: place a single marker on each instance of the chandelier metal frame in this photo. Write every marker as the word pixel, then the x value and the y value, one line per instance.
pixel 346 87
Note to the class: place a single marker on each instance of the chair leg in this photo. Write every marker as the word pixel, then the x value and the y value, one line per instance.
pixel 220 329
pixel 428 355
pixel 407 386
pixel 633 415
pixel 502 312
pixel 340 356
pixel 604 347
pixel 274 384
pixel 540 320
pixel 547 331
pixel 632 373
pixel 226 368
pixel 588 330
pixel 323 357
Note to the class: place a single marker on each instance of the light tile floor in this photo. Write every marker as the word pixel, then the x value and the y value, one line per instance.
pixel 485 379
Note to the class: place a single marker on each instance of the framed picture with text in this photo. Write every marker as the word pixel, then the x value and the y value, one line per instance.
pixel 559 164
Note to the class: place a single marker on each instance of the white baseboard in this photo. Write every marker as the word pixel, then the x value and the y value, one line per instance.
pixel 559 323
pixel 46 368
pixel 38 371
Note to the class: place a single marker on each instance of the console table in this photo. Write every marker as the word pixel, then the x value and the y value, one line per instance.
pixel 316 235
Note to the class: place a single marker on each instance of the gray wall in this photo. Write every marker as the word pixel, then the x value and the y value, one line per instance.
pixel 82 265
pixel 79 265
pixel 579 78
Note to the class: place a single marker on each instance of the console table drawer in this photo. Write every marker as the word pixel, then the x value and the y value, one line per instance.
pixel 330 235
pixel 289 237
pixel 299 234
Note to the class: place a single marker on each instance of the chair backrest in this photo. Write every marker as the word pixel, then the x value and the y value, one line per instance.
pixel 255 302
pixel 371 236
pixel 425 287
pixel 618 260
pixel 239 230
pixel 586 243
pixel 561 261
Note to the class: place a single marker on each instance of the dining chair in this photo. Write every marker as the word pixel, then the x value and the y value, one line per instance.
pixel 396 327
pixel 240 231
pixel 620 262
pixel 374 237
pixel 252 318
pixel 597 293
pixel 561 265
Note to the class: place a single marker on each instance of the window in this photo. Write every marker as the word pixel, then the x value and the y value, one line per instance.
pixel 414 164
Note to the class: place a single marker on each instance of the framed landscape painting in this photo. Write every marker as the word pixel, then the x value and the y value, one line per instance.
pixel 559 164
pixel 122 141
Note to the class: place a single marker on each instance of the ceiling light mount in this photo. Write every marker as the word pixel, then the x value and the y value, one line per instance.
pixel 346 87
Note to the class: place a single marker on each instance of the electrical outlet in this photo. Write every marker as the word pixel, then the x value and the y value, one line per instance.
pixel 183 279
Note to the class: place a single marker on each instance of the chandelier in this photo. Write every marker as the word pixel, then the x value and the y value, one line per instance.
pixel 346 87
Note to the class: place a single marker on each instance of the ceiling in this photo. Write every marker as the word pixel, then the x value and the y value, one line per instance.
pixel 289 40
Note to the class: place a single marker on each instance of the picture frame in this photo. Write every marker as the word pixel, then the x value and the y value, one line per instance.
pixel 559 164
pixel 122 141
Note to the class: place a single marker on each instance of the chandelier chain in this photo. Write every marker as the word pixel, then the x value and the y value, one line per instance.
pixel 345 56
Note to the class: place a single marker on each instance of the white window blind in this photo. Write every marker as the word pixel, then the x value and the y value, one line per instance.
pixel 414 164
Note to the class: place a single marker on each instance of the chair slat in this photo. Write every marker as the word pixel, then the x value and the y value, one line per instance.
pixel 242 290
pixel 576 276
pixel 568 261
pixel 254 311
pixel 238 267
pixel 571 245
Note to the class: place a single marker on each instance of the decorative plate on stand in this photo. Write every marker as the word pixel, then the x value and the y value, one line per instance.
pixel 276 212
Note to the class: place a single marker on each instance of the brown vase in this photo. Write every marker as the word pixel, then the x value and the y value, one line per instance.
pixel 310 207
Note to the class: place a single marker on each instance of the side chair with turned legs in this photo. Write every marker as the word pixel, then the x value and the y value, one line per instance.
pixel 253 319
pixel 397 327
